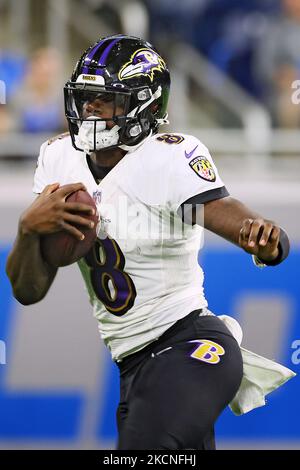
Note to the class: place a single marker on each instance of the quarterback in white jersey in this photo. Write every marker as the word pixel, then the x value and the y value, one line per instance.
pixel 155 194
pixel 138 202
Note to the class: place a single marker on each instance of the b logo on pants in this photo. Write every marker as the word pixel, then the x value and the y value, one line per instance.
pixel 207 351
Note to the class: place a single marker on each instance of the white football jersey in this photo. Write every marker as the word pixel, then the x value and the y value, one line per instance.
pixel 142 274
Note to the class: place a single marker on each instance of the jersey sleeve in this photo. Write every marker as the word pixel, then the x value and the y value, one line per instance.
pixel 42 175
pixel 194 178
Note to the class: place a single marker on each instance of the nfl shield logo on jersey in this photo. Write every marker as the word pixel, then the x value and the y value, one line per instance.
pixel 97 197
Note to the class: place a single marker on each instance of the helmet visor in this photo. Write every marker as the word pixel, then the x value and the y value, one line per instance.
pixel 82 102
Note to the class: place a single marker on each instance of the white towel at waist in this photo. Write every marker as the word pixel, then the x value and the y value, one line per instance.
pixel 261 375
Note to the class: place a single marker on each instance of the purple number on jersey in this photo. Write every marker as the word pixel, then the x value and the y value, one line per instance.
pixel 112 285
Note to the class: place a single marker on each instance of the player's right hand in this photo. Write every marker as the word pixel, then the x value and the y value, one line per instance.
pixel 49 212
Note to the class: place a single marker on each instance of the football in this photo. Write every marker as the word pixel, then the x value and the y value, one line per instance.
pixel 61 248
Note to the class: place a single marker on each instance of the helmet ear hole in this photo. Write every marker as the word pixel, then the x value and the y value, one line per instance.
pixel 145 125
pixel 135 130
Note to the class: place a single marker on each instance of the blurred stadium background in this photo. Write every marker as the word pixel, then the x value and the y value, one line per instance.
pixel 233 64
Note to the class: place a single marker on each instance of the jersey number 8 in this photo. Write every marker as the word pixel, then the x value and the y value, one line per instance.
pixel 111 284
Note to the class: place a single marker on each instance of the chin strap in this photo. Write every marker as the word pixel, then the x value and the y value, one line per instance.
pixel 132 148
pixel 137 128
pixel 135 147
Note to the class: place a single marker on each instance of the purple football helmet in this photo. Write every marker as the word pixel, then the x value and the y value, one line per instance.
pixel 128 73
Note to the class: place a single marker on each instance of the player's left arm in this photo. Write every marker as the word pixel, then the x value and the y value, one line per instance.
pixel 195 184
pixel 261 237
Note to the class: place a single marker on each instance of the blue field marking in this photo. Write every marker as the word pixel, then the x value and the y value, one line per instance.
pixel 230 274
pixel 107 427
pixel 32 414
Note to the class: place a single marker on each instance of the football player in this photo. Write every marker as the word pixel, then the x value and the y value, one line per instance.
pixel 179 364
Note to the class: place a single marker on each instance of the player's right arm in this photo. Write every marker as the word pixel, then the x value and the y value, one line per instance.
pixel 29 274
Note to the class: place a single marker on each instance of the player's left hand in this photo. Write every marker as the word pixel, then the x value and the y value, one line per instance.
pixel 261 238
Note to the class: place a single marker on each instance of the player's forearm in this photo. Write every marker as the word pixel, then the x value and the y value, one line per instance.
pixel 29 274
pixel 260 237
pixel 225 217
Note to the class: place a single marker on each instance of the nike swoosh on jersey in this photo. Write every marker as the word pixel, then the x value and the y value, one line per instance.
pixel 190 154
